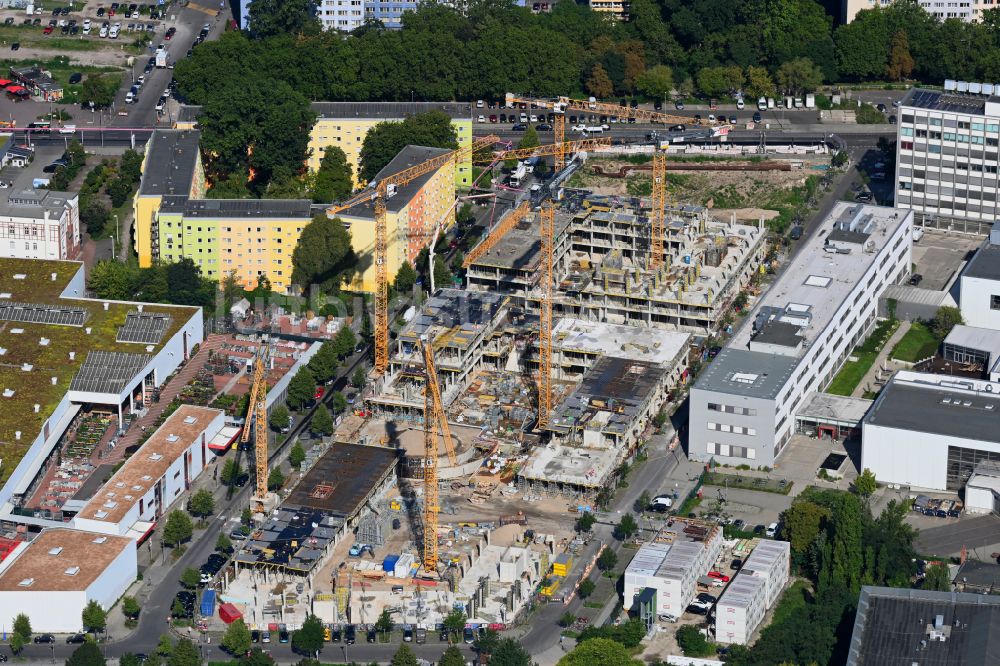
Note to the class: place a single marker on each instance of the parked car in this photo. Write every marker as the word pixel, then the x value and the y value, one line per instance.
pixel 718 575
pixel 520 127
pixel 15 46
pixel 698 608
pixel 372 636
pixel 544 127
pixel 706 598
pixel 468 636
pixel 916 279
pixel 350 634
pixel 407 634
pixel 76 639
pixel 44 639
pixel 736 564
pixel 283 636
pixel 255 636
pixel 265 636
pixel 772 530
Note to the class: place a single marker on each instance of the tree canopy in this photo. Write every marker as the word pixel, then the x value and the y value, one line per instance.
pixel 333 180
pixel 384 141
pixel 601 651
pixel 283 17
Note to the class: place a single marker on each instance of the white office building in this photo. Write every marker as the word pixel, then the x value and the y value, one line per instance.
pixel 342 15
pixel 672 563
pixel 53 577
pixel 743 406
pixel 752 592
pixel 931 432
pixel 138 494
pixel 964 10
pixel 946 155
pixel 40 224
pixel 979 295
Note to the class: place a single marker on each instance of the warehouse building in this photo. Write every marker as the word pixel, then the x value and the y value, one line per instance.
pixel 139 493
pixel 946 156
pixel 672 563
pixel 801 331
pixel 752 592
pixel 931 431
pixel 53 577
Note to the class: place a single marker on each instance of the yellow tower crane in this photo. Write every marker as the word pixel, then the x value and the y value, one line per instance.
pixel 257 420
pixel 435 420
pixel 379 191
pixel 546 218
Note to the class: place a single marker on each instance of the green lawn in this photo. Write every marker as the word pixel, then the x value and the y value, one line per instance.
pixel 918 343
pixel 853 371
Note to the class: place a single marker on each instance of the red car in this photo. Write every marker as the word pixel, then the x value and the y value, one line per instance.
pixel 48 30
pixel 319 392
pixel 718 574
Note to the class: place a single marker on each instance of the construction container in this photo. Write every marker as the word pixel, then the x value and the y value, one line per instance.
pixel 562 564
pixel 208 603
pixel 389 563
pixel 403 565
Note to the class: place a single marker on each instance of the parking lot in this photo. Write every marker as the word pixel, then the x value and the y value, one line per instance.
pixel 939 255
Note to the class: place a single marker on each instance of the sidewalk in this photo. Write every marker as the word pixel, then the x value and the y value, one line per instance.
pixel 867 382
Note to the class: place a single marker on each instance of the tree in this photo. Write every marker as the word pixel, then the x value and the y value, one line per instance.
pixel 119 190
pixel 642 502
pixel 275 478
pixel 846 564
pixel 799 75
pixel 165 646
pixel 603 651
pixel 529 139
pixel 94 617
pixel 202 503
pixel 339 402
pixel 567 619
pixel 114 280
pixel 452 657
pixel 344 341
pixel 99 90
pixel 323 365
pixel 258 657
pixel 236 641
pixel 279 417
pixel 586 588
pixel 297 455
pixel 585 522
pixel 865 485
pixel 223 544
pixel 231 472
pixel 301 389
pixel 800 524
pixel 190 578
pixel 322 422
pixel 94 215
pixel 384 141
pixel 509 652
pixel 334 180
pixel 87 654
pixel 177 529
pixel 657 81
pixel 454 622
pixel 17 642
pixel 359 377
pixel 945 319
pixel 383 624
pixel 937 578
pixel 840 158
pixel 323 255
pixel 129 659
pixel 404 656
pixel 692 642
pixel 275 18
pixel 599 83
pixel 486 642
pixel 309 638
pixel 406 277
pixel 232 186
pixel 442 274
pixel 759 82
pixel 608 560
pixel 626 527
pixel 184 654
pixel 901 64
pixel 130 607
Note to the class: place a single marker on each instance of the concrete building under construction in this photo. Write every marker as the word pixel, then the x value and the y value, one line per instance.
pixel 601 265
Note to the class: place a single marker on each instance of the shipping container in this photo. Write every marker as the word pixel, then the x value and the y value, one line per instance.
pixel 208 603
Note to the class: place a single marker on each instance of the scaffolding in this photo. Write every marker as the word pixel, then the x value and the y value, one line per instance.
pixel 374 524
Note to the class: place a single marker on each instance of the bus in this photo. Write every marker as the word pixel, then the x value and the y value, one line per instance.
pixel 40 127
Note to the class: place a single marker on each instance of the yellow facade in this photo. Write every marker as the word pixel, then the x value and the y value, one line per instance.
pixel 348 134
pixel 144 207
pixel 410 228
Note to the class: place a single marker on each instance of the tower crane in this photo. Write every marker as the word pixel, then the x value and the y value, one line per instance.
pixel 378 192
pixel 546 218
pixel 434 419
pixel 560 105
pixel 257 420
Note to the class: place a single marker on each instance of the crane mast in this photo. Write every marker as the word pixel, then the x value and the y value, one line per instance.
pixel 547 230
pixel 434 419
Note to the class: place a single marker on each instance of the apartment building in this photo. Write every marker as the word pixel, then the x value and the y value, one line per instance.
pixel 413 213
pixel 672 563
pixel 342 15
pixel 752 592
pixel 345 124
pixel 40 224
pixel 253 237
pixel 801 331
pixel 946 155
pixel 964 10
pixel 617 8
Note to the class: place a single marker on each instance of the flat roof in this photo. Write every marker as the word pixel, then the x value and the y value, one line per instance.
pixel 609 396
pixel 24 200
pixel 638 343
pixel 31 281
pixel 240 208
pixel 343 478
pixel 453 317
pixel 171 157
pixel 291 538
pixel 674 550
pixel 937 100
pixel 829 407
pixel 956 408
pixel 61 559
pixel 520 248
pixel 409 156
pixel 980 574
pixel 898 626
pixel 985 263
pixel 560 463
pixel 808 293
pixel 146 466
pixel 390 110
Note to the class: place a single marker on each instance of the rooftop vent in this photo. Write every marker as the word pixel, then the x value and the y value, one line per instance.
pixel 120 484
pixel 147 477
pixel 26 367
pixel 44 342
pixel 100 540
pixel 172 438
pixel 190 419
pixel 5 294
pixel 155 456
pixel 20 276
pixel 110 504
pixel 17 331
pixel 55 551
pixel 136 487
pixel 54 276
pixel 8 393
pixel 101 515
pixel 27 582
pixel 72 571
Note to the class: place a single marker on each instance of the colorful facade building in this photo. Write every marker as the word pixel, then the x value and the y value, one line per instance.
pixel 345 124
pixel 252 237
pixel 412 214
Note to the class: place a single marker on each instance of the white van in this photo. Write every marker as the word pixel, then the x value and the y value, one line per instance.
pixel 129 97
pixel 772 530
pixel 113 33
pixel 761 103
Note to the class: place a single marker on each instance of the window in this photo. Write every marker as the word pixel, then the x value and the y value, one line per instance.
pixel 994 302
